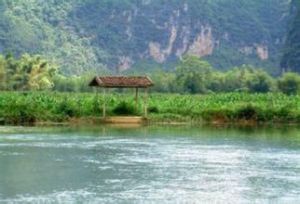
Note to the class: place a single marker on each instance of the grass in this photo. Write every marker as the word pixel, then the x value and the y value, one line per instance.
pixel 22 108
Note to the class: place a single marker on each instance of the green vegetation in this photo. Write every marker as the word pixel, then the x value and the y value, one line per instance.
pixel 26 73
pixel 31 107
pixel 289 83
pixel 75 42
pixel 291 58
pixel 230 107
pixel 195 76
pixel 42 27
pixel 124 108
pixel 91 35
pixel 191 75
pixel 243 93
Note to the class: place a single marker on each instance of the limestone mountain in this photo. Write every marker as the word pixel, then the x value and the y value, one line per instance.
pixel 291 57
pixel 93 35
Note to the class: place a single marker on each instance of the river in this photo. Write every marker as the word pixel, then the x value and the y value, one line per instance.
pixel 163 164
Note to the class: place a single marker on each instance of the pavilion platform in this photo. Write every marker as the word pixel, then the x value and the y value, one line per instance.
pixel 124 120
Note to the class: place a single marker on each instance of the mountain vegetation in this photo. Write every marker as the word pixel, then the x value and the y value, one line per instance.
pixel 115 35
pixel 291 57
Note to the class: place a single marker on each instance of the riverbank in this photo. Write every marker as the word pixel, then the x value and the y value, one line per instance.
pixel 52 107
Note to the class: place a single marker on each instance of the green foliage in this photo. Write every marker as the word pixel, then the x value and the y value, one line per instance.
pixel 26 73
pixel 124 108
pixel 96 107
pixel 289 83
pixel 229 107
pixel 291 58
pixel 260 82
pixel 153 109
pixel 193 75
pixel 17 108
pixel 2 72
pixel 73 83
pixel 165 81
pixel 89 35
pixel 43 27
pixel 66 108
pixel 247 113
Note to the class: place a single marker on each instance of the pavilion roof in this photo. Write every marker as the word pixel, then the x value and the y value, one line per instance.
pixel 121 81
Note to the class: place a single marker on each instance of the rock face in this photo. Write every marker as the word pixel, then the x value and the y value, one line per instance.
pixel 262 52
pixel 226 32
pixel 203 44
pixel 159 54
pixel 120 34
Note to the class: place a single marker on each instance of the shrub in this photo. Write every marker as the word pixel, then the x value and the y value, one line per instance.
pixel 260 82
pixel 124 108
pixel 66 109
pixel 248 112
pixel 96 106
pixel 153 109
pixel 289 83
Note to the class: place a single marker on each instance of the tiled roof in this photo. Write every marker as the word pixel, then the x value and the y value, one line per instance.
pixel 122 82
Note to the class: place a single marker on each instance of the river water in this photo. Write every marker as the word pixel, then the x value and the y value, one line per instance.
pixel 149 165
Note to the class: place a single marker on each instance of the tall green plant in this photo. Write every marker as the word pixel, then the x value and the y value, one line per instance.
pixel 26 73
pixel 193 75
pixel 289 83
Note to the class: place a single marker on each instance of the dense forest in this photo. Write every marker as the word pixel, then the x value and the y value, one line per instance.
pixel 116 35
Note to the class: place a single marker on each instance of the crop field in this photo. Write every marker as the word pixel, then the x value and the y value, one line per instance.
pixel 31 107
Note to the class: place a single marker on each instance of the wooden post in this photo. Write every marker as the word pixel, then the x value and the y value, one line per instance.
pixel 136 99
pixel 96 90
pixel 146 103
pixel 104 102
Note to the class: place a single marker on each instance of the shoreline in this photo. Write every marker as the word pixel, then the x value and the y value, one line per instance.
pixel 94 121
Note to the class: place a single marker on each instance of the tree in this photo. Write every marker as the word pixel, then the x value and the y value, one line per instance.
pixel 39 73
pixel 2 72
pixel 164 81
pixel 259 81
pixel 234 80
pixel 289 83
pixel 217 82
pixel 193 75
pixel 26 73
pixel 248 78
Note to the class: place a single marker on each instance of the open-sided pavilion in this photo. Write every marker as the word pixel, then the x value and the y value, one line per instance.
pixel 132 82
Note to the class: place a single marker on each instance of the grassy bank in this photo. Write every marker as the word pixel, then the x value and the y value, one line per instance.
pixel 20 108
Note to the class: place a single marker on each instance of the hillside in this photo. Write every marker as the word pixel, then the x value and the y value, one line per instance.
pixel 291 57
pixel 93 35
